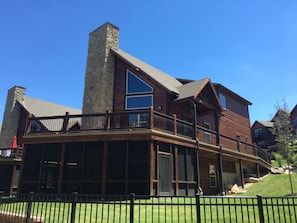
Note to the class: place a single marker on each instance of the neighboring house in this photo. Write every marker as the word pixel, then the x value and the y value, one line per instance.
pixel 262 131
pixel 17 109
pixel 262 134
pixel 141 131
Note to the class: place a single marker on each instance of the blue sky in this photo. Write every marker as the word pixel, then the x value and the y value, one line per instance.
pixel 249 46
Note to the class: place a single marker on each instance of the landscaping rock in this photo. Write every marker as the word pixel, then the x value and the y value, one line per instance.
pixel 277 170
pixel 253 180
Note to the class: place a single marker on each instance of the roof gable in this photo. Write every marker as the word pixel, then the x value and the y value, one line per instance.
pixel 258 123
pixel 202 91
pixel 191 89
pixel 167 81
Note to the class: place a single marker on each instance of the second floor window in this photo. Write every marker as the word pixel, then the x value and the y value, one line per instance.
pixel 261 144
pixel 223 101
pixel 139 94
pixel 207 135
pixel 258 133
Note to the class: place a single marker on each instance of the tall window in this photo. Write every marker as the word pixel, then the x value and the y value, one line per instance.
pixel 139 94
pixel 258 133
pixel 207 135
pixel 223 100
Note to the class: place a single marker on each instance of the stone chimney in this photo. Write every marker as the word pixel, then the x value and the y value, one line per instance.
pixel 99 78
pixel 11 115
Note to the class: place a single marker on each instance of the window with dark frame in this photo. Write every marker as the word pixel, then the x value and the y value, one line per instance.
pixel 207 135
pixel 212 176
pixel 223 100
pixel 139 94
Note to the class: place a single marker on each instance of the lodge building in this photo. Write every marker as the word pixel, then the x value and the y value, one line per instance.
pixel 142 131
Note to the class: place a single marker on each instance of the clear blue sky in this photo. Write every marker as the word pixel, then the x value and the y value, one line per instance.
pixel 249 46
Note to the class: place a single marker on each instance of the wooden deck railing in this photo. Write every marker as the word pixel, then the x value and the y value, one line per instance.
pixel 147 119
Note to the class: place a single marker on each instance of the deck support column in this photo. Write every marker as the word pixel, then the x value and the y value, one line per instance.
pixel 241 173
pixel 220 171
pixel 152 166
pixel 258 171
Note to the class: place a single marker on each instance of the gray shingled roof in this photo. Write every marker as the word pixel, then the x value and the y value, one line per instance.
pixel 266 124
pixel 164 79
pixel 191 88
pixel 40 108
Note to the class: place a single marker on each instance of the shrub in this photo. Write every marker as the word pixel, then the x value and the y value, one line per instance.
pixel 278 158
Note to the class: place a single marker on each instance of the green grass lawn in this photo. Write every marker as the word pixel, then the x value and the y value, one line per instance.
pixel 171 209
pixel 273 185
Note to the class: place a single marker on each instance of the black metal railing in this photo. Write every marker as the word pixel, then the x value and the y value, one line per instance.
pixel 134 208
pixel 11 152
pixel 147 119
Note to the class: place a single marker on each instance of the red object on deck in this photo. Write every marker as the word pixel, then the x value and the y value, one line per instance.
pixel 13 144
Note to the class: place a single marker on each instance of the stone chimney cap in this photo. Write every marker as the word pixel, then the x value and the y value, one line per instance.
pixel 16 86
pixel 106 25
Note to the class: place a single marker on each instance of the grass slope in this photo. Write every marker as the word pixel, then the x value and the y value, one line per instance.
pixel 273 185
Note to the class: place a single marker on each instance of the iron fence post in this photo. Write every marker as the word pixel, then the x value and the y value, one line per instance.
pixel 1 195
pixel 260 208
pixel 198 213
pixel 73 207
pixel 29 207
pixel 132 198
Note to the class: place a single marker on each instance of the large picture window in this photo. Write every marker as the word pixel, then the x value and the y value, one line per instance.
pixel 135 85
pixel 139 102
pixel 138 92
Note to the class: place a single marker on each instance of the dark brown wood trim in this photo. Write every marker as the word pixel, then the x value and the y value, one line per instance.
pixel 176 170
pixel 151 167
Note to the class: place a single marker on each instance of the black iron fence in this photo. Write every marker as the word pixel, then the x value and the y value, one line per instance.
pixel 133 208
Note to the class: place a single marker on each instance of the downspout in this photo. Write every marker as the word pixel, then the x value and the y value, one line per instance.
pixel 195 137
pixel 219 156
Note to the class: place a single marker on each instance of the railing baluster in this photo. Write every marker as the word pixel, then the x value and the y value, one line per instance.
pixel 260 208
pixel 73 207
pixel 29 207
pixel 198 211
pixel 132 198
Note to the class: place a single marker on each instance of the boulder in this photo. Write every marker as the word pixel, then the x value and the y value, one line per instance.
pixel 253 180
pixel 277 170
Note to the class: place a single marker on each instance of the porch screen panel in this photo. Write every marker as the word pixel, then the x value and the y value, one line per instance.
pixel 138 156
pixel 191 165
pixel 93 161
pixel 31 168
pixel 181 164
pixel 73 161
pixel 50 168
pixel 116 164
pixel 32 162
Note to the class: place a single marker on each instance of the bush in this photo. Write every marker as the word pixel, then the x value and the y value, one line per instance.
pixel 294 159
pixel 278 158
